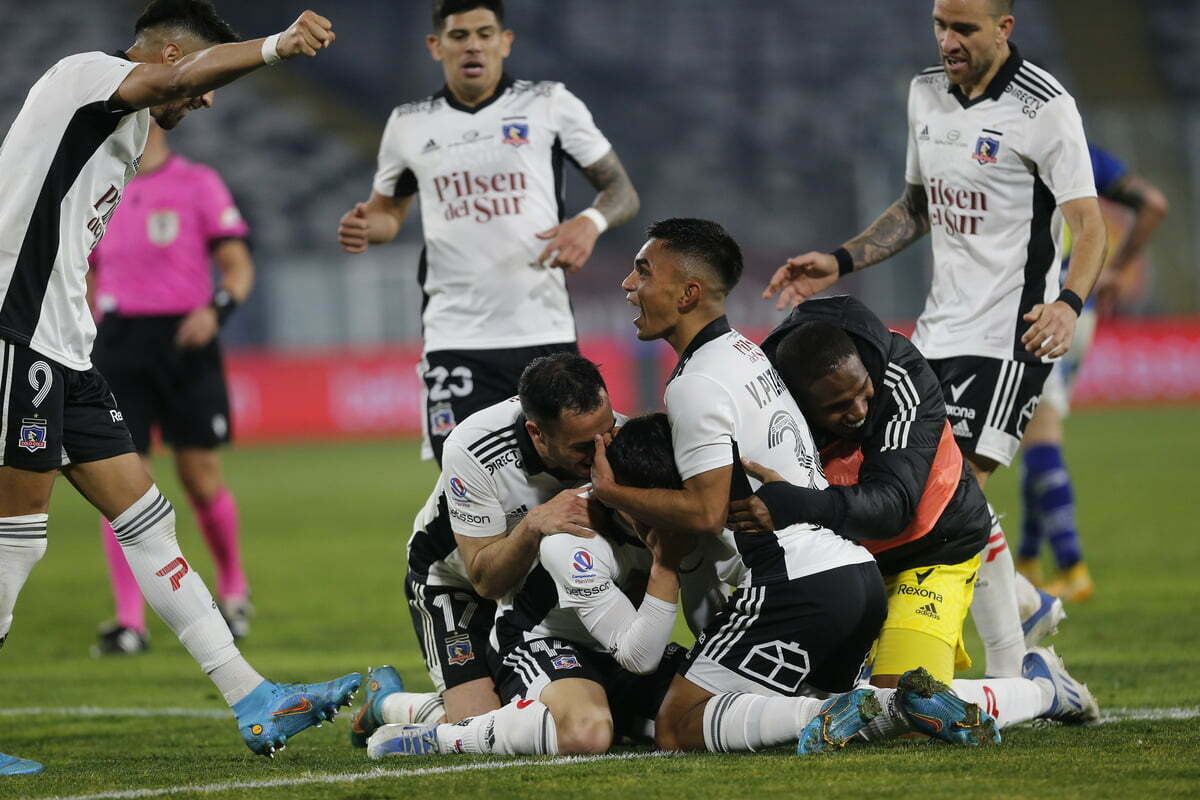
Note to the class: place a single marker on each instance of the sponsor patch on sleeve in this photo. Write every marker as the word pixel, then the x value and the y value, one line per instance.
pixel 583 570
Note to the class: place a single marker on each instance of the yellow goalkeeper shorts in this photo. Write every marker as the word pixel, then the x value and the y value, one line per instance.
pixel 926 610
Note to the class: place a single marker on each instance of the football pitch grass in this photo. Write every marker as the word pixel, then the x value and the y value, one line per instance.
pixel 324 529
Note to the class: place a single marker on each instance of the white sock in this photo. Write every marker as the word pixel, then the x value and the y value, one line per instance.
pixel 523 727
pixel 413 707
pixel 737 722
pixel 22 545
pixel 146 531
pixel 891 722
pixel 235 679
pixel 1028 599
pixel 1009 700
pixel 994 608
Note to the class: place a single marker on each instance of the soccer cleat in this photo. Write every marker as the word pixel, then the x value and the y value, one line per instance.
pixel 839 719
pixel 381 681
pixel 274 712
pixel 403 739
pixel 936 711
pixel 237 613
pixel 11 765
pixel 1044 621
pixel 1073 703
pixel 115 639
pixel 1073 584
pixel 1031 568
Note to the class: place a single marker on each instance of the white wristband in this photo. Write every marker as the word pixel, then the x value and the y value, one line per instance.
pixel 596 217
pixel 269 54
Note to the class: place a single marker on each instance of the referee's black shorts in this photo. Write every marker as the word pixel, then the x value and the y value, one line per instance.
pixel 182 391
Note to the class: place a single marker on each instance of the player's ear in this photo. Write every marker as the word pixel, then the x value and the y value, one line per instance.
pixel 434 43
pixel 171 52
pixel 506 42
pixel 535 433
pixel 690 295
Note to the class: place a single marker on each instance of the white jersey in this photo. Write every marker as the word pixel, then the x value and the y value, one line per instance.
pixel 995 169
pixel 726 401
pixel 63 167
pixel 491 478
pixel 490 178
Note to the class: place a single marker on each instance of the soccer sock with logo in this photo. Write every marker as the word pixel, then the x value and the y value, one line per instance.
pixel 219 524
pixel 523 727
pixel 891 721
pixel 736 722
pixel 994 607
pixel 1053 501
pixel 146 531
pixel 1010 700
pixel 131 611
pixel 22 545
pixel 417 707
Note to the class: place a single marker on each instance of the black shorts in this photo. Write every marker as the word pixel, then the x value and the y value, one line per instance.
pixel 779 638
pixel 51 414
pixel 460 382
pixel 453 626
pixel 525 670
pixel 181 391
pixel 989 401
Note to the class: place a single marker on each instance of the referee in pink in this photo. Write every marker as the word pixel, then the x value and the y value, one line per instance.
pixel 159 317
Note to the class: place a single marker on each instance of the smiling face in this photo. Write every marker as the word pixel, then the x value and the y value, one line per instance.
pixel 655 289
pixel 568 445
pixel 970 40
pixel 839 402
pixel 472 47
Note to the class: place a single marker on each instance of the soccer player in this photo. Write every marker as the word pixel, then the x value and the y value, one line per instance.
pixel 902 489
pixel 996 158
pixel 808 603
pixel 511 475
pixel 157 346
pixel 1047 496
pixel 486 154
pixel 63 168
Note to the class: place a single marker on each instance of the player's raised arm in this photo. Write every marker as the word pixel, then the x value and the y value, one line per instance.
pixel 194 75
pixel 570 242
pixel 904 222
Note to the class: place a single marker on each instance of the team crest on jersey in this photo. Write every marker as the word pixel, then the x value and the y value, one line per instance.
pixel 33 434
pixel 986 149
pixel 441 419
pixel 459 649
pixel 515 133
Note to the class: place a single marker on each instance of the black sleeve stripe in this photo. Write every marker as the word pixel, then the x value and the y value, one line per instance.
pixel 1046 78
pixel 1038 93
pixel 505 431
pixel 406 184
pixel 500 447
pixel 1029 79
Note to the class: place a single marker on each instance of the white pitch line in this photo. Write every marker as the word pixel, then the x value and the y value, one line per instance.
pixel 348 777
pixel 1126 714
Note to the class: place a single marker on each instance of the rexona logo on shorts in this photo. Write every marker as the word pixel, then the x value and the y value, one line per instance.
pixel 918 591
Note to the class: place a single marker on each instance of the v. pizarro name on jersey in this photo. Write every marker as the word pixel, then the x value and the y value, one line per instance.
pixel 480 197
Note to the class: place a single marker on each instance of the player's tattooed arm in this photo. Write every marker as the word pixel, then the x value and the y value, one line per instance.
pixel 617 199
pixel 904 222
pixel 569 244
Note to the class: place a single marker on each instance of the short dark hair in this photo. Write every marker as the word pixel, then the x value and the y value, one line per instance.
pixel 196 17
pixel 811 351
pixel 1001 8
pixel 556 383
pixel 641 454
pixel 703 241
pixel 444 8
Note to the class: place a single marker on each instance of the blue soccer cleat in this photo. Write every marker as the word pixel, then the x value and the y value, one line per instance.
pixel 275 712
pixel 381 681
pixel 936 711
pixel 11 765
pixel 1073 703
pixel 839 719
pixel 403 739
pixel 1044 621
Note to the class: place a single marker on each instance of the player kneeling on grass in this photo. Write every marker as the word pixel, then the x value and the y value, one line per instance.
pixel 902 489
pixel 573 637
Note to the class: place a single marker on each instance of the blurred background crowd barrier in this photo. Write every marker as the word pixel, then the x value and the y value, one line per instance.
pixel 782 119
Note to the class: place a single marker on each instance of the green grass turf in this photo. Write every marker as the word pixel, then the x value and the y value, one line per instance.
pixel 324 535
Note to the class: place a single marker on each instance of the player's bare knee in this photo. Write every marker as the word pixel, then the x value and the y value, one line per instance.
pixel 664 734
pixel 585 732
